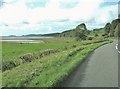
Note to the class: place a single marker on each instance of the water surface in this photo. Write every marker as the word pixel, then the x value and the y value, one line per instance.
pixel 22 41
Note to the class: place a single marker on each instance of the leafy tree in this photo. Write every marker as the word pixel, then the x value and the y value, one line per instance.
pixel 105 35
pixel 96 35
pixel 90 38
pixel 80 36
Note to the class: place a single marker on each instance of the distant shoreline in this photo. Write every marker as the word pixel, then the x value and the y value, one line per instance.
pixel 23 39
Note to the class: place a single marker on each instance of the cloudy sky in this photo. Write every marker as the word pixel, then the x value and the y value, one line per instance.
pixel 18 17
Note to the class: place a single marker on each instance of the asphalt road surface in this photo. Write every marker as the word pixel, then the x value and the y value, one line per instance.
pixel 100 69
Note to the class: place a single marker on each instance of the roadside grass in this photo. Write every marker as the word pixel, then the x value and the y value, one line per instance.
pixel 0 78
pixel 50 70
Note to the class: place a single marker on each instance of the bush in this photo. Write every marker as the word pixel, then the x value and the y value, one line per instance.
pixel 74 46
pixel 8 65
pixel 105 35
pixel 26 58
pixel 96 35
pixel 90 38
pixel 29 57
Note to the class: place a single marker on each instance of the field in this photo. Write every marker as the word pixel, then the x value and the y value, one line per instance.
pixel 48 70
pixel 17 49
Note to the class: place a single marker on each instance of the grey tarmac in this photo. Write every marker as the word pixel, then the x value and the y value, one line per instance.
pixel 100 69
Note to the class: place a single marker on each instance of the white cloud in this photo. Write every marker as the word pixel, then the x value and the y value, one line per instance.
pixel 20 12
pixel 10 1
pixel 84 10
pixel 17 12
pixel 13 13
pixel 49 28
pixel 106 14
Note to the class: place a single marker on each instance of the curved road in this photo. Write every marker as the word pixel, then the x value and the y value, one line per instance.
pixel 99 70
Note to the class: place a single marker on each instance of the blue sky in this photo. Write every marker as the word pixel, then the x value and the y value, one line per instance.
pixel 19 17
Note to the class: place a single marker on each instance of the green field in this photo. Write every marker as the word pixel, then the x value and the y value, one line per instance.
pixel 48 70
pixel 12 51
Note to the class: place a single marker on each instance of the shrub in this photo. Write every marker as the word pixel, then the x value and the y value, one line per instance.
pixel 90 38
pixel 29 57
pixel 96 35
pixel 26 58
pixel 8 65
pixel 74 46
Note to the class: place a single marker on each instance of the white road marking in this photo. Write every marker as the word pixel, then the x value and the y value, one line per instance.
pixel 117 48
pixel 118 51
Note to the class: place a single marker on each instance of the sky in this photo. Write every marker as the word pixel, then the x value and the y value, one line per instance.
pixel 20 17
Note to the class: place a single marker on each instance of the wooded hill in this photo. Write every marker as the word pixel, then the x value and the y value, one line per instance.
pixel 110 30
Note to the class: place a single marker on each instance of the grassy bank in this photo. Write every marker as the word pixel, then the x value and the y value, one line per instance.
pixel 49 70
pixel 11 52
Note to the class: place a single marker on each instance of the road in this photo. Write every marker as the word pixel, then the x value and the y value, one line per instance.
pixel 100 69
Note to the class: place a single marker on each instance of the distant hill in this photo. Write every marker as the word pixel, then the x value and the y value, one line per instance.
pixel 51 34
pixel 12 35
pixel 73 32
pixel 31 35
pixel 110 29
pixel 68 33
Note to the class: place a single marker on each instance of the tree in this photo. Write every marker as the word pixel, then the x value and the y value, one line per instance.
pixel 96 35
pixel 80 36
pixel 90 38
